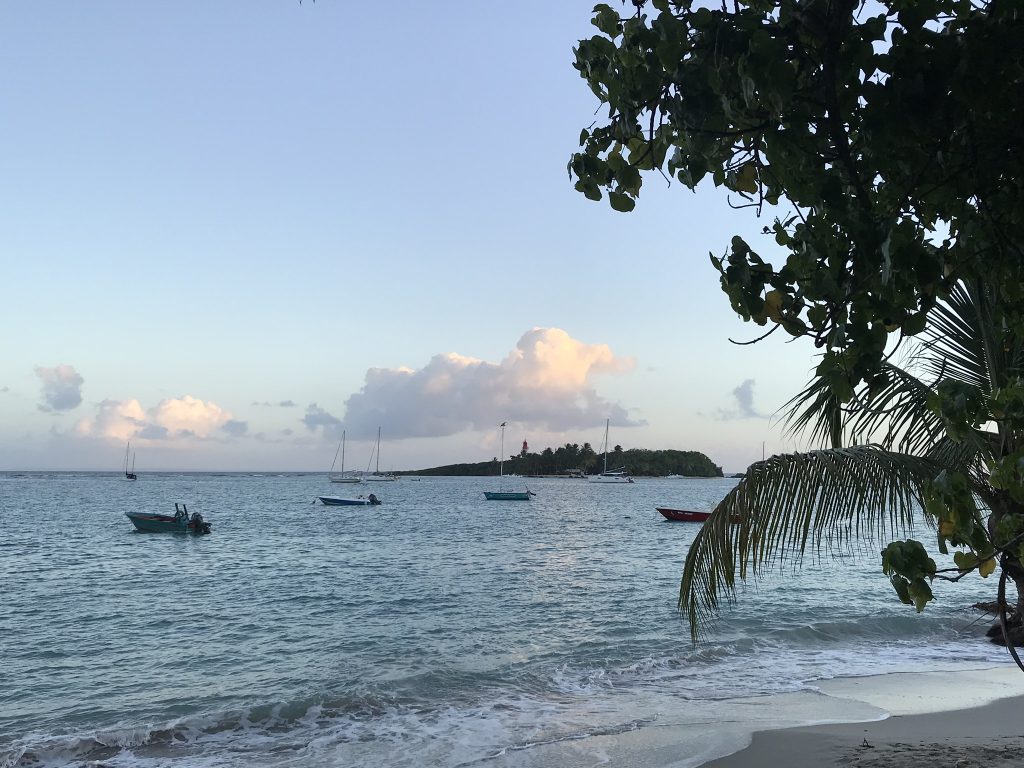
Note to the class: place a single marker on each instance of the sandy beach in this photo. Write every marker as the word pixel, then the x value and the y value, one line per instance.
pixel 991 735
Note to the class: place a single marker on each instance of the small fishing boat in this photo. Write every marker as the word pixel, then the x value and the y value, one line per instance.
pixel 683 515
pixel 180 522
pixel 509 495
pixel 689 516
pixel 359 501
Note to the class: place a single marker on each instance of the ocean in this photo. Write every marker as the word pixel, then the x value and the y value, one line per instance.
pixel 437 629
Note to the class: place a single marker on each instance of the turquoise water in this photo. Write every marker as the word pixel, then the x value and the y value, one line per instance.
pixel 435 629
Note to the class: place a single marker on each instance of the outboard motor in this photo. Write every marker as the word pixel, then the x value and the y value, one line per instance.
pixel 373 499
pixel 198 525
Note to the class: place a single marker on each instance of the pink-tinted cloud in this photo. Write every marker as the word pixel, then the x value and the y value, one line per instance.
pixel 171 418
pixel 545 382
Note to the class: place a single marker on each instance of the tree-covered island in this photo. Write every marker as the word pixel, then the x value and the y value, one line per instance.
pixel 573 459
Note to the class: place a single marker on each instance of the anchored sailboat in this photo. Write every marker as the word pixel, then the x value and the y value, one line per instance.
pixel 129 475
pixel 502 495
pixel 377 476
pixel 341 478
pixel 619 475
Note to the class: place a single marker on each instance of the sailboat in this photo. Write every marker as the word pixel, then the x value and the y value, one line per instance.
pixel 619 475
pixel 377 476
pixel 129 475
pixel 341 478
pixel 502 495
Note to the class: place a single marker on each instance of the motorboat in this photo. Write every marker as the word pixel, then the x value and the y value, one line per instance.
pixel 339 501
pixel 180 522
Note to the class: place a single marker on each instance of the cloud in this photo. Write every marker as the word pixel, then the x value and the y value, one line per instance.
pixel 184 417
pixel 189 414
pixel 62 388
pixel 317 418
pixel 280 404
pixel 545 382
pixel 744 396
pixel 235 428
pixel 122 419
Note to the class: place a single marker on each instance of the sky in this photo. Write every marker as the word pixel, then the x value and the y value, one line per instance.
pixel 229 231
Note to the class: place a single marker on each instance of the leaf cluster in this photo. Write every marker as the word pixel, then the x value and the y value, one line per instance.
pixel 894 133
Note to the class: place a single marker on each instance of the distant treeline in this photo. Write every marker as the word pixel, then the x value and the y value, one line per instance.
pixel 573 459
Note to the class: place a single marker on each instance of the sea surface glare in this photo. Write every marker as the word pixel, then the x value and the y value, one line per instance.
pixel 437 629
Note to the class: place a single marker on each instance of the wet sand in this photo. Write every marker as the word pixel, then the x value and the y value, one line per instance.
pixel 990 736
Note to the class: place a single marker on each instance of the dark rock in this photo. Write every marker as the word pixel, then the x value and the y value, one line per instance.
pixel 1016 632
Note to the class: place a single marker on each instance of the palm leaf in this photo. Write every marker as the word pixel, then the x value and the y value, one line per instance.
pixel 965 342
pixel 788 501
pixel 900 408
pixel 893 411
pixel 816 409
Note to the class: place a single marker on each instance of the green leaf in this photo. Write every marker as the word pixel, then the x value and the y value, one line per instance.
pixel 987 567
pixel 621 202
pixel 746 179
pixel 606 20
pixel 589 188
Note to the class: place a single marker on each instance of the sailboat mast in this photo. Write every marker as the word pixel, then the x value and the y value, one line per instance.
pixel 377 472
pixel 336 454
pixel 342 452
pixel 606 422
pixel 501 462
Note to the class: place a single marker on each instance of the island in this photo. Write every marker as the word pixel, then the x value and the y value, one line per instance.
pixel 572 460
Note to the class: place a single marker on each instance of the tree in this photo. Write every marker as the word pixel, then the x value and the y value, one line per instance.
pixel 891 147
pixel 922 460
pixel 888 142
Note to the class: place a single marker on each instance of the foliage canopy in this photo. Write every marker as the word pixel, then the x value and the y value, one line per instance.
pixel 886 139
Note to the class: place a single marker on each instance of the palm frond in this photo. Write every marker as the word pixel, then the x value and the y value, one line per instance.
pixel 893 412
pixel 785 502
pixel 817 410
pixel 964 342
pixel 900 409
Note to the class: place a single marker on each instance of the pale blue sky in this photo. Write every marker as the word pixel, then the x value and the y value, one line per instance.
pixel 212 205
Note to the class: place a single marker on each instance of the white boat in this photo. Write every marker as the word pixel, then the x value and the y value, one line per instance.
pixel 338 501
pixel 619 475
pixel 377 476
pixel 342 477
pixel 675 477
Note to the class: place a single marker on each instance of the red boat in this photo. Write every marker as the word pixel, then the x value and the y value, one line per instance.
pixel 683 515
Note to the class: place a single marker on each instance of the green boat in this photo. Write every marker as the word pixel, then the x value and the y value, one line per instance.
pixel 180 522
pixel 509 495
pixel 506 495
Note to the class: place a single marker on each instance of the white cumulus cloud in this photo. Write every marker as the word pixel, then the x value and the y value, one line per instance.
pixel 174 417
pixel 545 382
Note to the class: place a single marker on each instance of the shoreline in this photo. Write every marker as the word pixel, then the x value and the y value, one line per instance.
pixel 923 729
